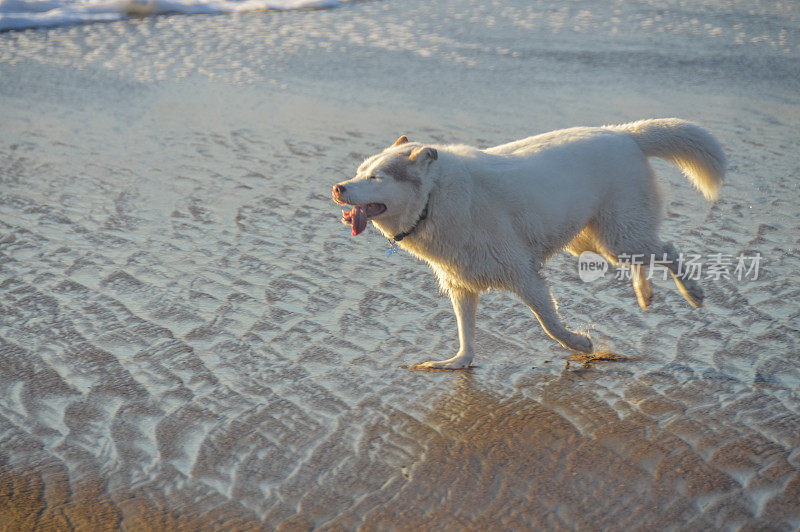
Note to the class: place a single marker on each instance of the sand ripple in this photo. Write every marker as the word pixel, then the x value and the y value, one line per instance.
pixel 189 338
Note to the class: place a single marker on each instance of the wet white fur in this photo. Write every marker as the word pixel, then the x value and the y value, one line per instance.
pixel 496 215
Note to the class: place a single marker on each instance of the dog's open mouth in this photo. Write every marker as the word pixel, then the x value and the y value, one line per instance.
pixel 360 214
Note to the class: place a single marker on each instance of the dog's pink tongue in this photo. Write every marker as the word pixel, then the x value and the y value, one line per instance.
pixel 358 219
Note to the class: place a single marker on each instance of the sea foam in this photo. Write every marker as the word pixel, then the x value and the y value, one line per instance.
pixel 24 14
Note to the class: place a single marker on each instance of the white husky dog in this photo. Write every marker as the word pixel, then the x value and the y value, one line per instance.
pixel 491 218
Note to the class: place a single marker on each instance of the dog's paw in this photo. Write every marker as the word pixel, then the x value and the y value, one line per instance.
pixel 644 294
pixel 579 342
pixel 450 363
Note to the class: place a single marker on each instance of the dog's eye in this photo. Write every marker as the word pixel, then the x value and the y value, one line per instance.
pixel 373 176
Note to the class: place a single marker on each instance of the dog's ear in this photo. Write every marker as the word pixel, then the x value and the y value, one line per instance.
pixel 423 154
pixel 402 140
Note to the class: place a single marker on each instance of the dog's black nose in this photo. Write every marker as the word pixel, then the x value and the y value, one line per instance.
pixel 338 189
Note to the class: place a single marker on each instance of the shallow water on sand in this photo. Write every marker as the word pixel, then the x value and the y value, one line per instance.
pixel 189 337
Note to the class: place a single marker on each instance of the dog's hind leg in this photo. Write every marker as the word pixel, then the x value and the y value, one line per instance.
pixel 665 254
pixel 642 286
pixel 536 294
pixel 687 286
pixel 633 232
pixel 465 305
pixel 587 240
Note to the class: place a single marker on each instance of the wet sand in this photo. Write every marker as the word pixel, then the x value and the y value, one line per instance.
pixel 190 339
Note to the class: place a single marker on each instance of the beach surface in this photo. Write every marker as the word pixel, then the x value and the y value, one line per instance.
pixel 189 337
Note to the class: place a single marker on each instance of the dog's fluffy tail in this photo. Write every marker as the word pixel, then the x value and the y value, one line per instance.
pixel 688 146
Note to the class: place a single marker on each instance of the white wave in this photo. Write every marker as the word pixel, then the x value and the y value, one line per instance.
pixel 23 14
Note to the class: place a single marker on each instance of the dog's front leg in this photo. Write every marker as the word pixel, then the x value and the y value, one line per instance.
pixel 536 294
pixel 465 305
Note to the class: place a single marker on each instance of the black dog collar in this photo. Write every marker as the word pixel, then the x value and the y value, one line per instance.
pixel 422 216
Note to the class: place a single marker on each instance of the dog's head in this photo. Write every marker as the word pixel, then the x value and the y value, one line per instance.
pixel 390 188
